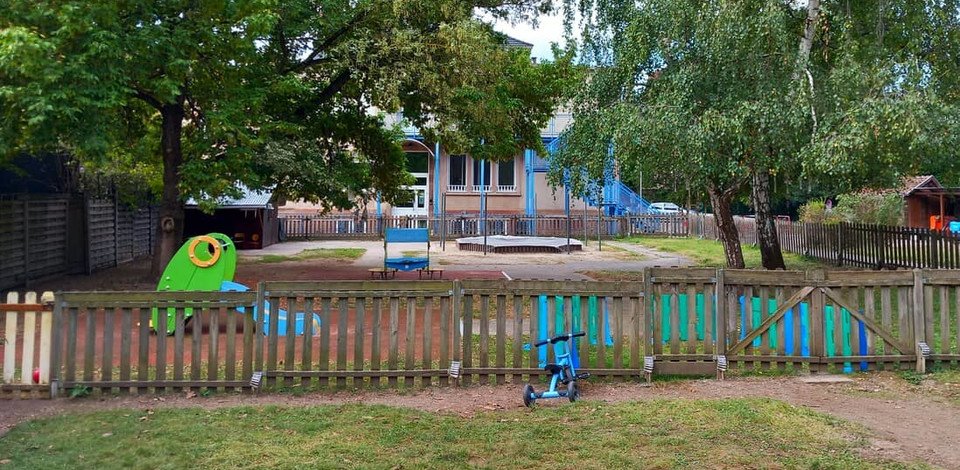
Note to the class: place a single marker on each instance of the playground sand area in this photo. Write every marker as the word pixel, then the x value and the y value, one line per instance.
pixel 909 423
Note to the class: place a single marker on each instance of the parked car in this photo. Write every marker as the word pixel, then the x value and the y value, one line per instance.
pixel 664 208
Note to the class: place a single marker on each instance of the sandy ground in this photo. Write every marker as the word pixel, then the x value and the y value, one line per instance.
pixel 613 256
pixel 906 422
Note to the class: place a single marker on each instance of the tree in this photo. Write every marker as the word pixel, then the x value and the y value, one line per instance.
pixel 216 93
pixel 886 96
pixel 689 87
pixel 712 90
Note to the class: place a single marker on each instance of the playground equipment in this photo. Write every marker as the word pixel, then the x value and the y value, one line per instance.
pixel 406 263
pixel 564 371
pixel 208 263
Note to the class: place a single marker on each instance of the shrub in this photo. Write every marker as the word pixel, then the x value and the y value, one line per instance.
pixel 815 212
pixel 871 208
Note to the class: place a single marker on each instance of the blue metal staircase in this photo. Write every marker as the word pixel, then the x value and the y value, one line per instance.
pixel 618 198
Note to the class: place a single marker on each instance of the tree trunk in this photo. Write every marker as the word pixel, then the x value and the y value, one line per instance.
pixel 770 254
pixel 809 29
pixel 720 200
pixel 170 227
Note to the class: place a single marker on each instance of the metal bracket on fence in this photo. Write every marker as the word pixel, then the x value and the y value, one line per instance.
pixel 454 371
pixel 255 381
pixel 721 366
pixel 648 368
pixel 923 352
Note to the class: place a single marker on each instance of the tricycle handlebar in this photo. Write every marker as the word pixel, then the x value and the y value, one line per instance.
pixel 557 339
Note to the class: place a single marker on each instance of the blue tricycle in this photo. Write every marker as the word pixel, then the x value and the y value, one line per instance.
pixel 564 373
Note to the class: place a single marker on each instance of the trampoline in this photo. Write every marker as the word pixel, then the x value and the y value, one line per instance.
pixel 514 244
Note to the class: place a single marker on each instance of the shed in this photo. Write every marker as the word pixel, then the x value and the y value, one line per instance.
pixel 250 220
pixel 929 204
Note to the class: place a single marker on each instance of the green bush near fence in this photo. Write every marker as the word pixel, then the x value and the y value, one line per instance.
pixel 735 433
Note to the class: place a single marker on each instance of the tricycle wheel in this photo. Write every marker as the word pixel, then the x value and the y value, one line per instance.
pixel 573 391
pixel 528 395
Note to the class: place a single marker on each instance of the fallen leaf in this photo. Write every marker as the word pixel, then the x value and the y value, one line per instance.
pixel 106 434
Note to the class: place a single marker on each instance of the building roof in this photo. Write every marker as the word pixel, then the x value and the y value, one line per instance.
pixel 514 42
pixel 249 199
pixel 913 183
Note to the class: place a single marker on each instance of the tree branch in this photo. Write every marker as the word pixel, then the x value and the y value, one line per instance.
pixel 312 58
pixel 334 86
pixel 147 98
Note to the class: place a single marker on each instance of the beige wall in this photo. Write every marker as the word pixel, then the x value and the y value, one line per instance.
pixel 512 202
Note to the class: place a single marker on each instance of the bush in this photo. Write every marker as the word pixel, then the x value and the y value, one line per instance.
pixel 871 208
pixel 860 208
pixel 815 212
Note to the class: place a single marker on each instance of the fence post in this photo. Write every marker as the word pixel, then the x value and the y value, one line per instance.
pixel 55 348
pixel 817 329
pixel 919 319
pixel 648 312
pixel 457 301
pixel 258 329
pixel 841 228
pixel 934 244
pixel 720 303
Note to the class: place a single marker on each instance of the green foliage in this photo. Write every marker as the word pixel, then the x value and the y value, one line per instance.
pixel 860 208
pixel 884 80
pixel 687 90
pixel 80 391
pixel 815 212
pixel 285 95
pixel 871 208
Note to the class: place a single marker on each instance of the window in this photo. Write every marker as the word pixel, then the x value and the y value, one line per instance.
pixel 416 162
pixel 458 170
pixel 476 173
pixel 505 176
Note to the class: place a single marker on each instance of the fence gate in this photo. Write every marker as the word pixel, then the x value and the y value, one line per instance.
pixel 862 321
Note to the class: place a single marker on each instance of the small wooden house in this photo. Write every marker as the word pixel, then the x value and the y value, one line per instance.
pixel 929 204
pixel 251 220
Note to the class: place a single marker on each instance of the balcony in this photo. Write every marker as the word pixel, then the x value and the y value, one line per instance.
pixel 456 188
pixel 507 188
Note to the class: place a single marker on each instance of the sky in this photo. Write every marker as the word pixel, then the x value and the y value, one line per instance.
pixel 550 29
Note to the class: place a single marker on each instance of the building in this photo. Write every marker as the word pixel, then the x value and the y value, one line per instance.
pixel 457 184
pixel 251 221
pixel 928 204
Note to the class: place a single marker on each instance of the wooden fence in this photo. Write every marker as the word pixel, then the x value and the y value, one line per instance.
pixel 843 244
pixel 454 226
pixel 26 344
pixel 44 236
pixel 363 334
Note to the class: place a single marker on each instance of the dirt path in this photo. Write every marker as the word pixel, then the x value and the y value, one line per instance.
pixel 907 423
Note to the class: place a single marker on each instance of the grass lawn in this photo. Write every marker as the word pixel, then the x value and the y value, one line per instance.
pixel 709 253
pixel 653 434
pixel 344 254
